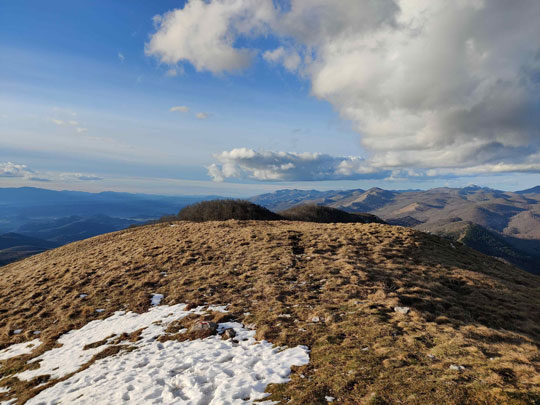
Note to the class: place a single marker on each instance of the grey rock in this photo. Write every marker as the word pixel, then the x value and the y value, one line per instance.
pixel 402 310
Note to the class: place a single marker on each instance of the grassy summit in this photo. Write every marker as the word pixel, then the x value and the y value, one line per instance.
pixel 470 336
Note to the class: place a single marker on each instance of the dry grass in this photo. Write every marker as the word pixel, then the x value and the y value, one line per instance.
pixel 466 308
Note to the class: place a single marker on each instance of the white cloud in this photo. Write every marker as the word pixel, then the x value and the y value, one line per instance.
pixel 9 169
pixel 13 170
pixel 80 176
pixel 121 57
pixel 289 166
pixel 290 59
pixel 81 130
pixel 245 163
pixel 57 122
pixel 202 115
pixel 428 84
pixel 63 122
pixel 204 33
pixel 23 172
pixel 179 108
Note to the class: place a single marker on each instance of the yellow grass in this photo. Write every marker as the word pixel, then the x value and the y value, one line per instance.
pixel 466 309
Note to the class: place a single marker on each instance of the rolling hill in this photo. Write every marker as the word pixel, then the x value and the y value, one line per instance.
pixel 14 247
pixel 302 313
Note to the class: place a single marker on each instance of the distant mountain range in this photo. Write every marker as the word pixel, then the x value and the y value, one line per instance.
pixel 499 223
pixel 33 220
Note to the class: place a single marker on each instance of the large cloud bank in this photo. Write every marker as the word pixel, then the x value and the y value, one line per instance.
pixel 286 166
pixel 428 84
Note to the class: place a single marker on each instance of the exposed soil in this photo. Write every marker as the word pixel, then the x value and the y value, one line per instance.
pixel 332 287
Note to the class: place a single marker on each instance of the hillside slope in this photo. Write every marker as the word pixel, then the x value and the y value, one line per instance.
pixel 14 247
pixel 512 216
pixel 470 333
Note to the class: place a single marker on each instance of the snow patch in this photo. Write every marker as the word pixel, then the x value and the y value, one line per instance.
pixel 156 299
pixel 4 390
pixel 209 371
pixel 19 349
pixel 217 308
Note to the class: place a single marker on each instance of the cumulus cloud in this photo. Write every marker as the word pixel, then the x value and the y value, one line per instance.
pixel 288 166
pixel 13 170
pixel 179 108
pixel 9 169
pixel 23 172
pixel 429 84
pixel 204 33
pixel 290 59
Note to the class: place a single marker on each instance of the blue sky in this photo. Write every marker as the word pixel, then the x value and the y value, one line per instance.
pixel 84 106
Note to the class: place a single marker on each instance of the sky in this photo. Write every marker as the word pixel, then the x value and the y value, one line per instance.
pixel 240 97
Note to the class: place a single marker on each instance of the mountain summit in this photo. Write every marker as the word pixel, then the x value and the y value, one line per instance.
pixel 181 312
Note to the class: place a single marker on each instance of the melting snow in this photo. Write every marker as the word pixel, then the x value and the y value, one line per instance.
pixel 17 331
pixel 4 389
pixel 210 371
pixel 156 299
pixel 217 308
pixel 19 349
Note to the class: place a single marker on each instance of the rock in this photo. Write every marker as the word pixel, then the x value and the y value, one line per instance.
pixel 203 329
pixel 456 367
pixel 228 333
pixel 402 310
pixel 315 319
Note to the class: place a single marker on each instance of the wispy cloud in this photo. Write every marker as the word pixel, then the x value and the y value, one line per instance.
pixel 80 176
pixel 179 108
pixel 57 122
pixel 173 72
pixel 63 122
pixel 202 115
pixel 121 57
